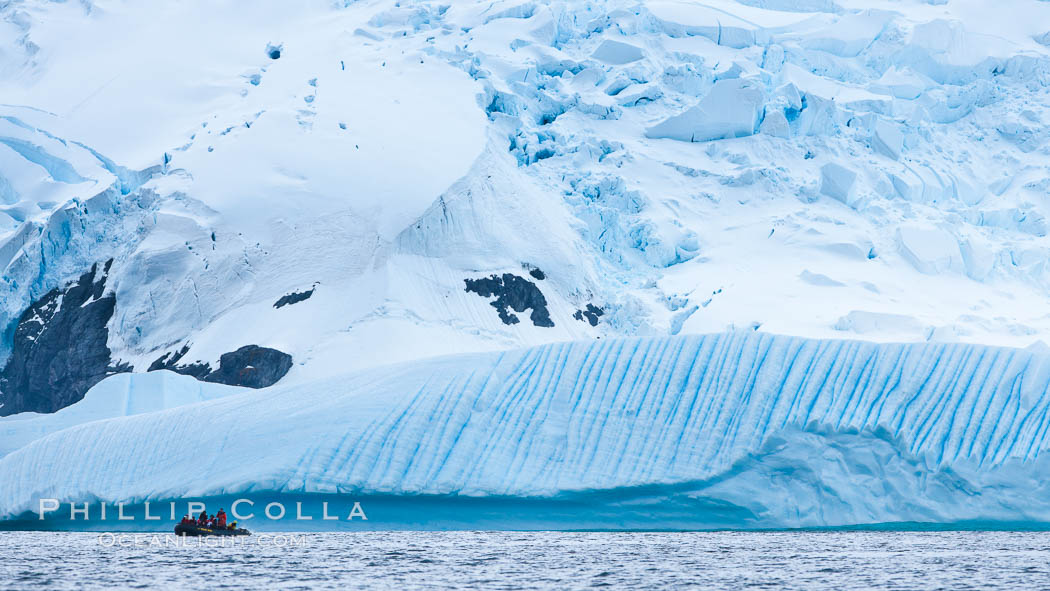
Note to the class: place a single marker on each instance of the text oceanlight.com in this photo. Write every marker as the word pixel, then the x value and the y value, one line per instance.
pixel 240 510
pixel 110 540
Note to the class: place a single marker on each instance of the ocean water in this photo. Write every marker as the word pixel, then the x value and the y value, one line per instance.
pixel 829 560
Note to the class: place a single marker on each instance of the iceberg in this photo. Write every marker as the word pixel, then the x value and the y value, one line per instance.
pixel 739 429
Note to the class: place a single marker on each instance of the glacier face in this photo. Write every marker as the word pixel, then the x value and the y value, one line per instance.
pixel 778 431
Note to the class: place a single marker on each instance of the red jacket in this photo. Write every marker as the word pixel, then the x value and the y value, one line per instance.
pixel 222 518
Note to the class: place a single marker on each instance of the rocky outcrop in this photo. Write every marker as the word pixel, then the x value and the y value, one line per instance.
pixel 515 294
pixel 251 366
pixel 170 361
pixel 536 273
pixel 590 314
pixel 59 350
pixel 294 298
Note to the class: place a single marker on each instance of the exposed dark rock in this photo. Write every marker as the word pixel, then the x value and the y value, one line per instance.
pixel 591 314
pixel 293 298
pixel 512 293
pixel 537 274
pixel 251 366
pixel 59 350
pixel 171 360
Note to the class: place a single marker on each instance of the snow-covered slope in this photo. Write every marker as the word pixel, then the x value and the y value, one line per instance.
pixel 885 174
pixel 118 396
pixel 777 431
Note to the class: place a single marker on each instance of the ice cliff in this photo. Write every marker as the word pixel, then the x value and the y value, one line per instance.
pixel 777 431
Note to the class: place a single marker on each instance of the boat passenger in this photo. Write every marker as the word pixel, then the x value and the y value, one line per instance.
pixel 220 517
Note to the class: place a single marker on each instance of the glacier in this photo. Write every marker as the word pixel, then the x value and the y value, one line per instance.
pixel 661 187
pixel 385 153
pixel 738 429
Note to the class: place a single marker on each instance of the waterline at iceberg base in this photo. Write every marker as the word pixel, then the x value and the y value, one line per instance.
pixel 744 430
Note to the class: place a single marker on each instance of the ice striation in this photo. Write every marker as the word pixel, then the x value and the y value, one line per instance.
pixel 773 431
